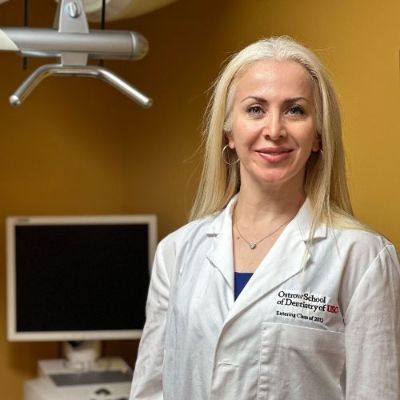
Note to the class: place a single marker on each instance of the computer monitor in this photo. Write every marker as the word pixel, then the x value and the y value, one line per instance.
pixel 78 278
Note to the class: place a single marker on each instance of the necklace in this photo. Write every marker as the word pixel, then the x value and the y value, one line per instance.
pixel 253 245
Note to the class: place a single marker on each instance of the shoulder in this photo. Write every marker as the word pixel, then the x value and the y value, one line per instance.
pixel 365 256
pixel 354 250
pixel 191 235
pixel 189 231
pixel 361 243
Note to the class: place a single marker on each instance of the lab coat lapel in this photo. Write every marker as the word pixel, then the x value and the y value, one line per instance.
pixel 287 258
pixel 221 252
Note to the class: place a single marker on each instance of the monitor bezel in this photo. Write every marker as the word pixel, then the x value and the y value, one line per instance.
pixel 13 221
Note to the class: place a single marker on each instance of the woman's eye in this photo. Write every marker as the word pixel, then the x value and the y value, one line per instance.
pixel 295 110
pixel 255 110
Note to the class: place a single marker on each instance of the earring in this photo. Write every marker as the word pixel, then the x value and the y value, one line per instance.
pixel 228 161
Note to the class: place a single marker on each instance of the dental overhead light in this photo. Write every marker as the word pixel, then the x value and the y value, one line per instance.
pixel 73 44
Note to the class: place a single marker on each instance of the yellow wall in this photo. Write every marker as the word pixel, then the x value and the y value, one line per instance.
pixel 78 146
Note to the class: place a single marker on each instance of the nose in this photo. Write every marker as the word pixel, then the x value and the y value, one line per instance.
pixel 274 126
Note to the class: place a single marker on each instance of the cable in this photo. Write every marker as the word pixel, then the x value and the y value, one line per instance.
pixel 26 13
pixel 103 23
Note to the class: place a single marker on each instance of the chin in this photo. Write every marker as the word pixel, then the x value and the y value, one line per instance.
pixel 280 178
pixel 272 180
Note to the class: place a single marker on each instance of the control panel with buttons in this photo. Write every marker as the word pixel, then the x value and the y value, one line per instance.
pixel 56 382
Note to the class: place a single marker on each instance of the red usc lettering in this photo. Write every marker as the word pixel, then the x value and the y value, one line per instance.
pixel 332 309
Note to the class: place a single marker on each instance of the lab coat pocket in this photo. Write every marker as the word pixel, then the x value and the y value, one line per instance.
pixel 298 362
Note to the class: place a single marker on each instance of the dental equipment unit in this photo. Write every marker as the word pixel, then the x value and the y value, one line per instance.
pixel 73 44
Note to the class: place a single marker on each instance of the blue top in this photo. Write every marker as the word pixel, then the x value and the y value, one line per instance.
pixel 241 279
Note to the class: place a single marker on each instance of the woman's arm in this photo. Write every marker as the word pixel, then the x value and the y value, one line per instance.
pixel 147 378
pixel 372 332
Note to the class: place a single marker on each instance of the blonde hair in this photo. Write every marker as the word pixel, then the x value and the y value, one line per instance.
pixel 325 177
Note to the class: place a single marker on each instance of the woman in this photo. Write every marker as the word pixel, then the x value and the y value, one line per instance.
pixel 274 290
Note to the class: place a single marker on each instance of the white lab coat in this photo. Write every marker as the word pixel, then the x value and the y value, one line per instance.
pixel 317 325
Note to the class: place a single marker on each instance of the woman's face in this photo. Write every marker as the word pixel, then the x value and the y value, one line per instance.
pixel 273 122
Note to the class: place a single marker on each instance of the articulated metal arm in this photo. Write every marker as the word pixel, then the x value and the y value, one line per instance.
pixel 74 45
pixel 38 42
pixel 86 71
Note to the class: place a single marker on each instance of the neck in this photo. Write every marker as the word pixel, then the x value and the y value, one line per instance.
pixel 267 205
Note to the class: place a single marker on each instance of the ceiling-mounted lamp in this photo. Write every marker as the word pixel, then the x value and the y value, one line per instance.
pixel 74 44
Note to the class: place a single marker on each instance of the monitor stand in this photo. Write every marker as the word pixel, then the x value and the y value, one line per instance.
pixel 80 376
pixel 82 355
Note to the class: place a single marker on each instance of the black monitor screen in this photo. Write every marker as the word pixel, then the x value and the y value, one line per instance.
pixel 91 277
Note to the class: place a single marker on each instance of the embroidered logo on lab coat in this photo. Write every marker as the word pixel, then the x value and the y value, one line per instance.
pixel 305 306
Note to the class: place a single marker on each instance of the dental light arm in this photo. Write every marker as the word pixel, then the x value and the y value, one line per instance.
pixel 37 42
pixel 74 45
pixel 86 71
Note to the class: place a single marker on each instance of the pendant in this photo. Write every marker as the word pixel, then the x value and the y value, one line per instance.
pixel 252 245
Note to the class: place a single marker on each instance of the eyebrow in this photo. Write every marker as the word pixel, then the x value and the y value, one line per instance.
pixel 264 101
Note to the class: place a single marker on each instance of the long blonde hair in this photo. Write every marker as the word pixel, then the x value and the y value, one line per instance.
pixel 325 177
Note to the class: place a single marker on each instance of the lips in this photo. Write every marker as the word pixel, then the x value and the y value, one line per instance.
pixel 274 154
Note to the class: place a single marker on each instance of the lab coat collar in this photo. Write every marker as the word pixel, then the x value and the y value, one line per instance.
pixel 285 259
pixel 304 219
pixel 222 223
pixel 221 251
